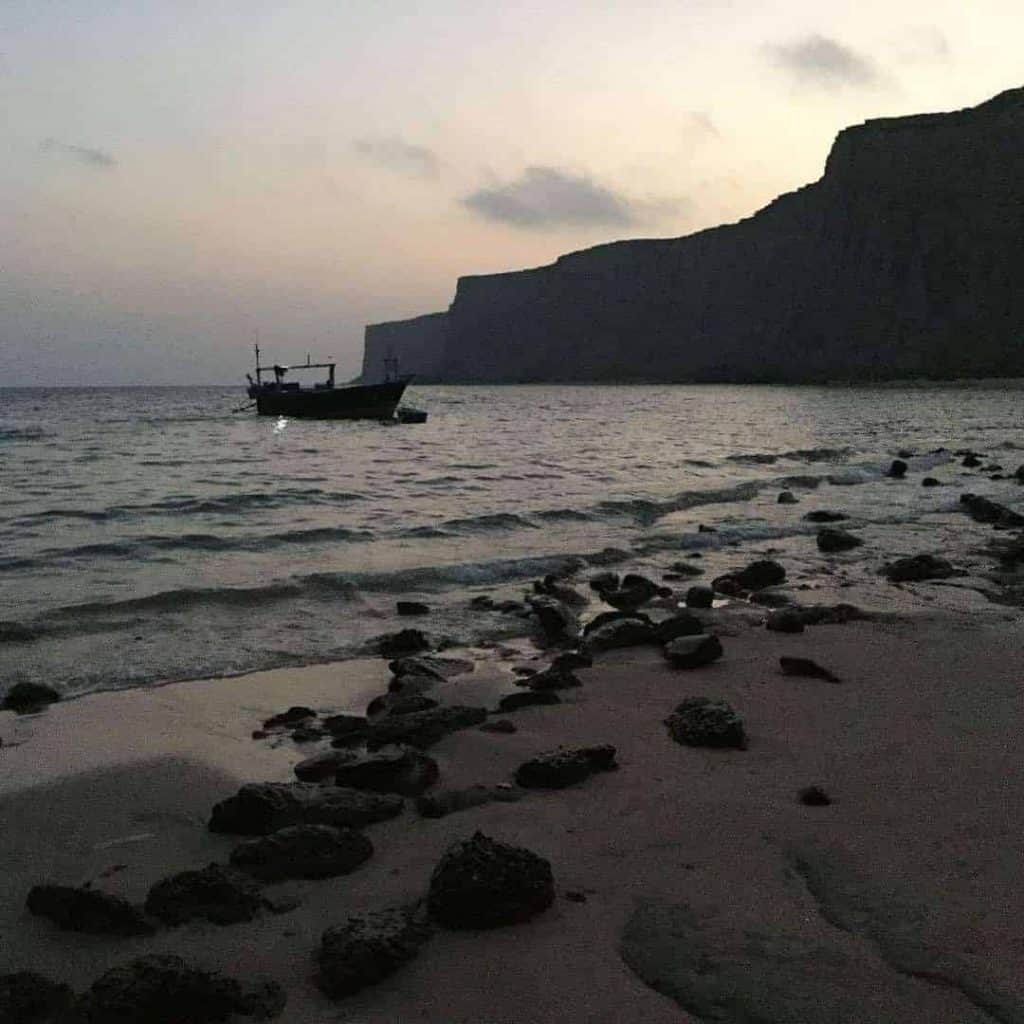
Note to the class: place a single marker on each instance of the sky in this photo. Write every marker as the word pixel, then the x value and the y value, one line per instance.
pixel 180 178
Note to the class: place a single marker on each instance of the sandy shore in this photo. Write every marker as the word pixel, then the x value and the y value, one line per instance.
pixel 901 898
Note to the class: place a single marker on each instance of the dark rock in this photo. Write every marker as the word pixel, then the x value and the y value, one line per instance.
pixel 930 481
pixel 553 587
pixel 685 569
pixel 557 622
pixel 165 990
pixel 814 796
pixel 918 567
pixel 728 585
pixel 833 540
pixel 679 625
pixel 401 770
pixel 511 607
pixel 15 633
pixel 553 679
pixel 30 998
pixel 605 617
pixel 562 768
pixel 634 591
pixel 1018 474
pixel 322 766
pixel 785 620
pixel 367 949
pixel 450 801
pixel 481 883
pixel 700 597
pixel 24 697
pixel 405 641
pixel 400 704
pixel 621 633
pixel 572 659
pixel 971 461
pixel 87 910
pixel 701 528
pixel 411 608
pixel 823 515
pixel 286 719
pixel 806 667
pixel 984 511
pixel 410 684
pixel 788 498
pixel 905 453
pixel 693 651
pixel 214 893
pixel 760 574
pixel 772 598
pixel 608 580
pixel 502 725
pixel 423 729
pixel 515 701
pixel 260 808
pixel 819 615
pixel 898 469
pixel 346 725
pixel 702 722
pixel 307 734
pixel 482 603
pixel 302 851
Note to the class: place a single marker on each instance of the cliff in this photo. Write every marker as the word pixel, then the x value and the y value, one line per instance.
pixel 418 345
pixel 902 260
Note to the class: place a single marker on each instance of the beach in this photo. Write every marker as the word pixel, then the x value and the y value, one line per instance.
pixel 690 883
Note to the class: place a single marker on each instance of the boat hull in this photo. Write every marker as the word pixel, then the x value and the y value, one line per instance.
pixel 359 402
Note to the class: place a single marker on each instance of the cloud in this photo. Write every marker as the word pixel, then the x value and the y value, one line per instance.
pixel 82 154
pixel 699 127
pixel 398 155
pixel 923 44
pixel 547 197
pixel 819 61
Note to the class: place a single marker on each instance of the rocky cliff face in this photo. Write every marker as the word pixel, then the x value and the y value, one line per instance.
pixel 902 260
pixel 419 345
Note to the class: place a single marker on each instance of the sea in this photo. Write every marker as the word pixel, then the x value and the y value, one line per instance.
pixel 153 534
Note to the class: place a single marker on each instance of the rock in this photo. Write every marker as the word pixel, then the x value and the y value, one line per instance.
pixel 450 801
pixel 700 597
pixel 260 808
pixel 562 768
pixel 410 684
pixel 1018 474
pixel 161 989
pixel 693 651
pixel 823 515
pixel 27 997
pixel 367 949
pixel 433 665
pixel 814 796
pixel 302 851
pixel 621 633
pixel 701 528
pixel 553 679
pixel 560 591
pixel 400 770
pixel 400 704
pixel 423 729
pixel 286 719
pixel 515 701
pixel 322 766
pixel 702 722
pixel 918 567
pixel 307 734
pixel 760 574
pixel 833 614
pixel 346 726
pixel 215 893
pixel 405 641
pixel 833 540
pixel 25 697
pixel 569 660
pixel 897 470
pixel 411 608
pixel 502 725
pixel 686 569
pixel 785 620
pixel 728 585
pixel 482 603
pixel 677 626
pixel 87 910
pixel 605 617
pixel 608 580
pixel 634 591
pixel 16 633
pixel 481 883
pixel 558 624
pixel 772 598
pixel 971 461
pixel 787 498
pixel 930 481
pixel 984 511
pixel 806 667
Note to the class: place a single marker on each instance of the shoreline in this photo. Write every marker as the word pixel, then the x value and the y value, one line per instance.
pixel 916 746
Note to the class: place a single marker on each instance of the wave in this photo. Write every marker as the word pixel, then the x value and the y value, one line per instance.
pixel 24 433
pixel 489 521
pixel 646 511
pixel 796 455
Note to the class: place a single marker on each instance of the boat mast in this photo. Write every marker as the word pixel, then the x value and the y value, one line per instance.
pixel 258 367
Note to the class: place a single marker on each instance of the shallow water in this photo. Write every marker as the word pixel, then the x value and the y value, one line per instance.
pixel 152 534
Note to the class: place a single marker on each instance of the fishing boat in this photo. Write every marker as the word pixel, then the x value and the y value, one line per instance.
pixel 325 400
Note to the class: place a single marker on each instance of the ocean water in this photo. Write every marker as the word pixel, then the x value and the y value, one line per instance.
pixel 153 534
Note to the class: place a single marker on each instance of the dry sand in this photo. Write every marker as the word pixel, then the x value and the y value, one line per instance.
pixel 705 857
